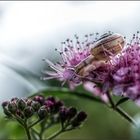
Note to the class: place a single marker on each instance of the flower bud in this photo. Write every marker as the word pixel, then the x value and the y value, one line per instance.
pixel 72 112
pixel 57 105
pixel 52 99
pixel 35 105
pixel 81 116
pixel 63 114
pixel 21 104
pixel 12 107
pixel 5 103
pixel 50 105
pixel 42 112
pixel 28 112
pixel 20 114
pixel 29 102
pixel 39 99
pixel 14 99
pixel 75 123
pixel 6 112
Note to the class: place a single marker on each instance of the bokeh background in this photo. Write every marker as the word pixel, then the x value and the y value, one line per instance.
pixel 29 32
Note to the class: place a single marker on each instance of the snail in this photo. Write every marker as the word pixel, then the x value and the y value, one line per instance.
pixel 109 44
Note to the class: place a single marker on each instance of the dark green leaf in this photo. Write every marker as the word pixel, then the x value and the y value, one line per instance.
pixel 122 100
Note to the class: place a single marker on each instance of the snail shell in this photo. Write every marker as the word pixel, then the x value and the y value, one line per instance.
pixel 108 45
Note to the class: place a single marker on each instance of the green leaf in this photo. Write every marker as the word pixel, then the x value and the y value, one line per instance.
pixel 122 100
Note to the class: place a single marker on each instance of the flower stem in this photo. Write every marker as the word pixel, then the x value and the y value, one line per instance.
pixel 56 134
pixel 121 111
pixel 27 131
pixel 34 134
pixel 34 123
pixel 125 115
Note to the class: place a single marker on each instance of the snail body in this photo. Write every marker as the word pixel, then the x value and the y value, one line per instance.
pixel 101 51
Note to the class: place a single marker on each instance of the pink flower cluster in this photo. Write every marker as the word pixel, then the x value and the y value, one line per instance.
pixel 126 71
pixel 72 53
pixel 121 73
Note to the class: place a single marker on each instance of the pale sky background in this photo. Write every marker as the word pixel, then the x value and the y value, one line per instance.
pixel 29 31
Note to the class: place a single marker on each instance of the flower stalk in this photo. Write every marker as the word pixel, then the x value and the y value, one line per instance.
pixel 119 110
pixel 56 134
pixel 36 122
pixel 27 131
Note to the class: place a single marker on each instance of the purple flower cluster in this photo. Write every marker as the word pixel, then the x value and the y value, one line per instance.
pixel 120 74
pixel 72 53
pixel 126 71
pixel 42 107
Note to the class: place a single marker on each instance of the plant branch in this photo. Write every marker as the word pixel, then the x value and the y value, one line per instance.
pixel 59 132
pixel 120 110
pixel 34 123
pixel 35 134
pixel 27 131
pixel 125 115
pixel 35 131
pixel 55 134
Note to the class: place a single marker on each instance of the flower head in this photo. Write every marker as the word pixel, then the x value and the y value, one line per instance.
pixel 126 71
pixel 72 53
pixel 121 73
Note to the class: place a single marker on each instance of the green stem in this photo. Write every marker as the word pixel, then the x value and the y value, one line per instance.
pixel 35 131
pixel 41 133
pixel 35 134
pixel 120 111
pixel 43 129
pixel 27 131
pixel 18 119
pixel 34 123
pixel 55 134
pixel 59 132
pixel 24 125
pixel 125 115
